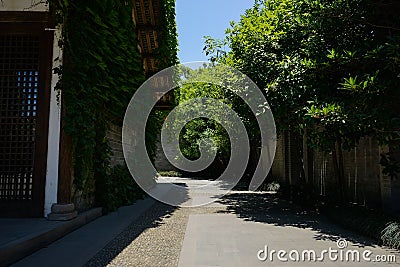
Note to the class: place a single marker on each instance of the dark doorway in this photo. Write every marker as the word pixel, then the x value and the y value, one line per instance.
pixel 25 72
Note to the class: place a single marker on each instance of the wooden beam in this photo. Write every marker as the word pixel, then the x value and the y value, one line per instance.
pixel 25 16
pixel 65 162
pixel 146 27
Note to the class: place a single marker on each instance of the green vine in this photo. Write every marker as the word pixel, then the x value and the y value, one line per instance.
pixel 102 68
pixel 167 56
pixel 167 52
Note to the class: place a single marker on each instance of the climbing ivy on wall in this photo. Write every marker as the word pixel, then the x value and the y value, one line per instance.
pixel 167 56
pixel 102 68
pixel 167 52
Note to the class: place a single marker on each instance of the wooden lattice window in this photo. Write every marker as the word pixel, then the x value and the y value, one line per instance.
pixel 19 72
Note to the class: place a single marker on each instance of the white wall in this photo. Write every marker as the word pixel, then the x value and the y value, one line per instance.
pixel 54 133
pixel 23 5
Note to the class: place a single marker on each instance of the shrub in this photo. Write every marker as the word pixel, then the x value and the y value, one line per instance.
pixel 272 186
pixel 391 235
pixel 118 189
pixel 382 227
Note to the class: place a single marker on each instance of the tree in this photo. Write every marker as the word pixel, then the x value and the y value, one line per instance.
pixel 218 82
pixel 327 67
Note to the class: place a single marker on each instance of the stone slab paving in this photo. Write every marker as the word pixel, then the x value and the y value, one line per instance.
pixel 228 232
pixel 76 248
pixel 226 240
pixel 231 232
pixel 252 223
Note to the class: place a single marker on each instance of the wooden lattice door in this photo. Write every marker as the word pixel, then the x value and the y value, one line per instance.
pixel 25 57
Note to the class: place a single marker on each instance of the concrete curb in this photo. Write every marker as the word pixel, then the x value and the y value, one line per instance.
pixel 22 247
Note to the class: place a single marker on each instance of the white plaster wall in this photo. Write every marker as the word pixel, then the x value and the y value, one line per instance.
pixel 23 5
pixel 54 133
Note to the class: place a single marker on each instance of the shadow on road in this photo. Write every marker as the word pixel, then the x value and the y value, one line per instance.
pixel 268 208
pixel 152 218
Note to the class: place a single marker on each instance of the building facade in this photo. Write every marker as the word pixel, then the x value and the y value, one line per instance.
pixel 34 154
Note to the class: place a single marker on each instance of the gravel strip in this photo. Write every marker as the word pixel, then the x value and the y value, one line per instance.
pixel 153 240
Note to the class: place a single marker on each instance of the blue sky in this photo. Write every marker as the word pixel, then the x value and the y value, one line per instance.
pixel 197 18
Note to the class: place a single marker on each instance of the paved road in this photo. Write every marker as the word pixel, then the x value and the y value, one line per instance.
pixel 236 230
